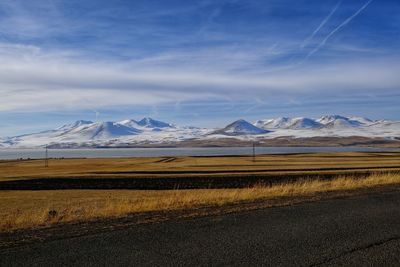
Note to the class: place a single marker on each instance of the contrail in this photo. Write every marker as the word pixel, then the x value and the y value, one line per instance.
pixel 306 41
pixel 344 23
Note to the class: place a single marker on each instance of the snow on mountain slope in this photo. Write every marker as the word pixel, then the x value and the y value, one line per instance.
pixel 101 130
pixel 330 118
pixel 342 124
pixel 105 133
pixel 362 120
pixel 76 124
pixel 304 123
pixel 75 132
pixel 339 126
pixel 337 121
pixel 151 123
pixel 388 128
pixel 150 131
pixel 241 127
pixel 288 123
pixel 281 122
pixel 129 123
pixel 330 126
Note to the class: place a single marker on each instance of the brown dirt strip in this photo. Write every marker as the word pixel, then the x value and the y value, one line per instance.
pixel 168 183
pixel 166 172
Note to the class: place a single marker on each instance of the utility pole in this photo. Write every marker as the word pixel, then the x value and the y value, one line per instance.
pixel 254 152
pixel 46 159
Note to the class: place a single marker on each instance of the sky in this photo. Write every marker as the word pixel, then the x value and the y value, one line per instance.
pixel 199 62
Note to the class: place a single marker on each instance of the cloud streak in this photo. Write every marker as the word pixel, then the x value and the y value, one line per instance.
pixel 322 24
pixel 344 23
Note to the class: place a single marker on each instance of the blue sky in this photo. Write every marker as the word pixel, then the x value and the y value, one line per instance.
pixel 200 63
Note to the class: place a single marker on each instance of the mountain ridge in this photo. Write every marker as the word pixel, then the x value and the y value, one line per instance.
pixel 151 131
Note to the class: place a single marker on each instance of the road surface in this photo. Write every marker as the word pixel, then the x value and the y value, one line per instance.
pixel 356 231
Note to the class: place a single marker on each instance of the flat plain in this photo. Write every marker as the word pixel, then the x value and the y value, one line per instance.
pixel 170 167
pixel 73 190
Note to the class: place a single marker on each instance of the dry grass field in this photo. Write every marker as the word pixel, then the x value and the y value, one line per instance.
pixel 27 208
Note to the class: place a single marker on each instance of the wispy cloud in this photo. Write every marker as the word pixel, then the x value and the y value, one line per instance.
pixel 344 23
pixel 197 57
pixel 322 24
pixel 31 79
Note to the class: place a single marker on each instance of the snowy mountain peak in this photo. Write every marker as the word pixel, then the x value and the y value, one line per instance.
pixel 149 131
pixel 330 118
pixel 304 123
pixel 107 129
pixel 280 122
pixel 129 123
pixel 337 121
pixel 241 127
pixel 151 123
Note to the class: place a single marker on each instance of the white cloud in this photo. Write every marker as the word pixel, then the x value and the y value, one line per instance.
pixel 71 99
pixel 34 80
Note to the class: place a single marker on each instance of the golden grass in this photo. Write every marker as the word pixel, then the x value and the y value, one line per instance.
pixel 24 209
pixel 118 167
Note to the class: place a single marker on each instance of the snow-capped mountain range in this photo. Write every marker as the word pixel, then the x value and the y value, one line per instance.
pixel 148 131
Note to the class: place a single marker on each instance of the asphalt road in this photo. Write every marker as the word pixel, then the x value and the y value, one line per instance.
pixel 357 231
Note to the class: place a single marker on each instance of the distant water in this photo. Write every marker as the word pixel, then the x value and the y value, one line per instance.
pixel 161 152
